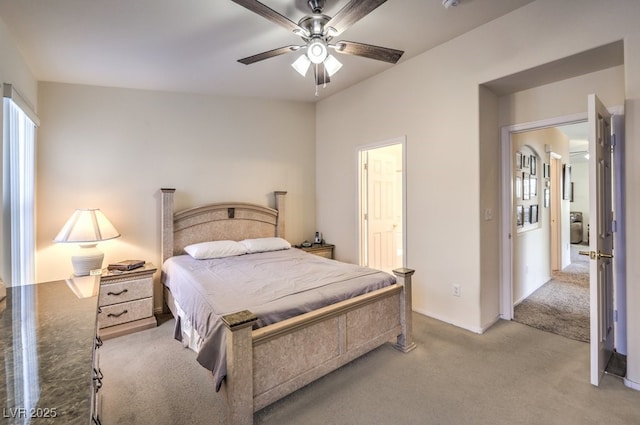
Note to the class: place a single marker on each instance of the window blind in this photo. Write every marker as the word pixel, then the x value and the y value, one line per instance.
pixel 18 199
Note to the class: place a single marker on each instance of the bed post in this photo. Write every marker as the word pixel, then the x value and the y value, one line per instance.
pixel 405 339
pixel 280 206
pixel 239 380
pixel 166 217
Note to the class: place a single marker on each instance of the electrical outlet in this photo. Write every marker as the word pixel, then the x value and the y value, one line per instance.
pixel 456 290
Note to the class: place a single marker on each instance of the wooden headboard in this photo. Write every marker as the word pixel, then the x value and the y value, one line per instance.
pixel 220 221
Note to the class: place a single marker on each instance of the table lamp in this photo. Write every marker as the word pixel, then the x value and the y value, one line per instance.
pixel 87 227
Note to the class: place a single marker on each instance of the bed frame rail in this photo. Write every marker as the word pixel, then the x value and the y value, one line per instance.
pixel 268 363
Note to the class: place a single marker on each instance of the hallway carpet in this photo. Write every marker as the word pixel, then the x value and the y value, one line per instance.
pixel 561 306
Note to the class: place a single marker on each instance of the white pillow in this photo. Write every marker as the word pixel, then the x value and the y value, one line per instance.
pixel 215 249
pixel 265 244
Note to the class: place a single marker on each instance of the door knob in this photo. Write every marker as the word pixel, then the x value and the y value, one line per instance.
pixel 594 256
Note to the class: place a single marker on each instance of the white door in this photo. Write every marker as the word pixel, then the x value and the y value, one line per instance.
pixel 600 237
pixel 382 207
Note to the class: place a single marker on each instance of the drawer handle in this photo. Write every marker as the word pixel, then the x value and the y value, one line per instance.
pixel 98 376
pixel 117 293
pixel 118 314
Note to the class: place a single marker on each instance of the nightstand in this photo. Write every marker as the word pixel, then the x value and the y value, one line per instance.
pixel 126 301
pixel 320 249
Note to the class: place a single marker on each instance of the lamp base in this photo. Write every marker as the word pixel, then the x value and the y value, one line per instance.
pixel 88 258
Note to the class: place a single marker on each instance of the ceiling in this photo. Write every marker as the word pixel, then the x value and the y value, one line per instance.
pixel 193 45
pixel 578 134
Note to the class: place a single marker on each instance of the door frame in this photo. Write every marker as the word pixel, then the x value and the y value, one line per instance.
pixel 506 225
pixel 402 140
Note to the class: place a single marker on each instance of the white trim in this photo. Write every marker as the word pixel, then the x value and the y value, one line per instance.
pixel 506 248
pixel 630 384
pixel 506 225
pixel 474 329
pixel 10 92
pixel 401 140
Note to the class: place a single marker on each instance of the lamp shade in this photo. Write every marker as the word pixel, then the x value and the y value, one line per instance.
pixel 88 225
pixel 332 65
pixel 302 65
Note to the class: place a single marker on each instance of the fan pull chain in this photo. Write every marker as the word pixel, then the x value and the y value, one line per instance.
pixel 316 82
pixel 324 71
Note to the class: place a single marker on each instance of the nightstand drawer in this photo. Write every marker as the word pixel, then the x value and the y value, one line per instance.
pixel 125 312
pixel 119 292
pixel 321 250
pixel 326 253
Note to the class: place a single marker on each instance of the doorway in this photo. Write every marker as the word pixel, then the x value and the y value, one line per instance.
pixel 382 221
pixel 601 222
pixel 551 292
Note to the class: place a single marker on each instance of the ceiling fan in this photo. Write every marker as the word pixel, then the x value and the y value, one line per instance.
pixel 318 31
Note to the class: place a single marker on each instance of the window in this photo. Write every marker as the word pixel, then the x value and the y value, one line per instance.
pixel 18 191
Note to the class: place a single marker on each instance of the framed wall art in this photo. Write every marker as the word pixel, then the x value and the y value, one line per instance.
pixel 533 181
pixel 547 195
pixel 566 182
pixel 534 214
pixel 526 187
pixel 519 216
pixel 533 165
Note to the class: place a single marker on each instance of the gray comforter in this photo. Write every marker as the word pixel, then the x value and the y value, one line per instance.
pixel 273 285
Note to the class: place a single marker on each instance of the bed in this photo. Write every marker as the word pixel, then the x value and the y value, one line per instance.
pixel 283 341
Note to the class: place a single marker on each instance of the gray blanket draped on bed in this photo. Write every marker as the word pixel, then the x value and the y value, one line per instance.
pixel 273 285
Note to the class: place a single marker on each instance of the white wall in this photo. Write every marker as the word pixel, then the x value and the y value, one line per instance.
pixel 532 242
pixel 115 148
pixel 580 179
pixel 434 100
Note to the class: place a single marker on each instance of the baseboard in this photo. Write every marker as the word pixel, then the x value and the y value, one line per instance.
pixel 445 320
pixel 524 297
pixel 631 384
pixel 492 322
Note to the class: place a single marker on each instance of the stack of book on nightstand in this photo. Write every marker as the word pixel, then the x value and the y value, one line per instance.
pixel 126 265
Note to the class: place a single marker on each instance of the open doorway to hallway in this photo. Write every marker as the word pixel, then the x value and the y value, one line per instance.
pixel 554 298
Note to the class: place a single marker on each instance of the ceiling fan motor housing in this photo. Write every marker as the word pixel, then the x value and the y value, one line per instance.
pixel 316 5
pixel 314 24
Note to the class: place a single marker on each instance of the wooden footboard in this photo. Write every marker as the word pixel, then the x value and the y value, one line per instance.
pixel 266 364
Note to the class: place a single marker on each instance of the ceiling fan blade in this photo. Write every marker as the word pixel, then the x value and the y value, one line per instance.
pixel 368 51
pixel 351 13
pixel 268 54
pixel 322 76
pixel 270 14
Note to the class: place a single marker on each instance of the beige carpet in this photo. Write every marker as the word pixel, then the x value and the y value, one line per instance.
pixel 512 374
pixel 561 306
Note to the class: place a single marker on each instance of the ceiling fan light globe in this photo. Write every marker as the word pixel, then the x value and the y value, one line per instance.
pixel 317 51
pixel 332 65
pixel 301 65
